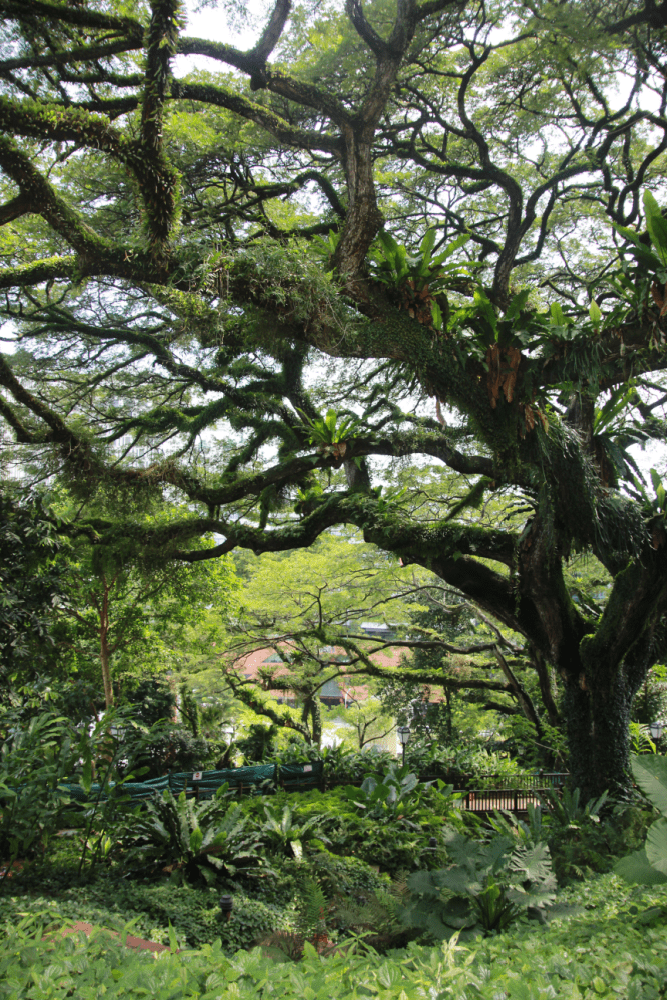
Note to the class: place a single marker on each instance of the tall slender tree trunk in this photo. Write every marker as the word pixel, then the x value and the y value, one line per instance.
pixel 448 712
pixel 105 652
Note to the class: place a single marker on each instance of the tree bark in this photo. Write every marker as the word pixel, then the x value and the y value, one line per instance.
pixel 105 652
pixel 597 728
pixel 545 675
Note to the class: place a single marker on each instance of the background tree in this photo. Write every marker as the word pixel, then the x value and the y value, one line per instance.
pixel 377 235
pixel 119 608
pixel 32 584
pixel 320 614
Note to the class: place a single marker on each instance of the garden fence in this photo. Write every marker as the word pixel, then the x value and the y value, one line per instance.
pixel 204 784
pixel 512 792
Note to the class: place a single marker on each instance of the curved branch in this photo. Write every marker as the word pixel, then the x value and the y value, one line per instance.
pixel 273 123
pixel 72 14
pixel 368 34
pixel 272 32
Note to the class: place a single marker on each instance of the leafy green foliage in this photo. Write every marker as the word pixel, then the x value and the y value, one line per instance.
pixel 331 430
pixel 486 885
pixel 383 799
pixel 170 747
pixel 194 840
pixel 31 585
pixel 38 759
pixel 283 834
pixel 649 865
pixel 221 319
pixel 394 842
pixel 258 743
pixel 33 762
pixel 569 811
pixel 581 845
pixel 152 699
pixel 609 949
pixel 581 841
pixel 393 266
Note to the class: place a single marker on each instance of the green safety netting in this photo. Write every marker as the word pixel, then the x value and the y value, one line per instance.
pixel 204 784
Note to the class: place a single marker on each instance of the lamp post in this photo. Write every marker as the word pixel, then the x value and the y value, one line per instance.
pixel 226 906
pixel 403 736
pixel 656 730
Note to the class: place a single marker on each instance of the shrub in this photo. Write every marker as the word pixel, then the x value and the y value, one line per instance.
pixel 282 834
pixel 195 841
pixel 486 886
pixel 34 761
pixel 168 747
pixel 582 843
pixel 585 838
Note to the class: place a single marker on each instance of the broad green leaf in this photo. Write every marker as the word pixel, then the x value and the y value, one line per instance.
pixel 297 849
pixel 650 773
pixel 616 402
pixel 656 846
pixel 595 313
pixel 196 838
pixel 485 307
pixel 656 224
pixel 645 256
pixel 330 421
pixel 427 245
pixel 557 316
pixel 401 261
pixel 450 249
pixel 517 304
pixel 436 315
pixel 388 244
pixel 655 479
pixel 635 868
pixel 629 234
pixel 389 975
pixel 86 779
pixel 173 940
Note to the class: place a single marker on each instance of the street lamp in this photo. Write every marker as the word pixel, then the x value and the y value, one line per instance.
pixel 656 730
pixel 403 737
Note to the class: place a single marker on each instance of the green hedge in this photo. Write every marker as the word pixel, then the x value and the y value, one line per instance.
pixel 616 948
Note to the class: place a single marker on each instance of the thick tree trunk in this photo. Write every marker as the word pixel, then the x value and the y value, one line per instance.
pixel 597 718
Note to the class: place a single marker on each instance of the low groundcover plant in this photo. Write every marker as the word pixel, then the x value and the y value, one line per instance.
pixel 609 950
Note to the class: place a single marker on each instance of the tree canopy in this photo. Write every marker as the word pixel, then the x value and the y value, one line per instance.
pixel 344 612
pixel 384 234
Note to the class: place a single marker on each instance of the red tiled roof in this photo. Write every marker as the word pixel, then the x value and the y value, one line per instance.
pixel 248 666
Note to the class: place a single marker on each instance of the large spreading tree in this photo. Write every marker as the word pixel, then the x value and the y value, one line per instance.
pixel 383 234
